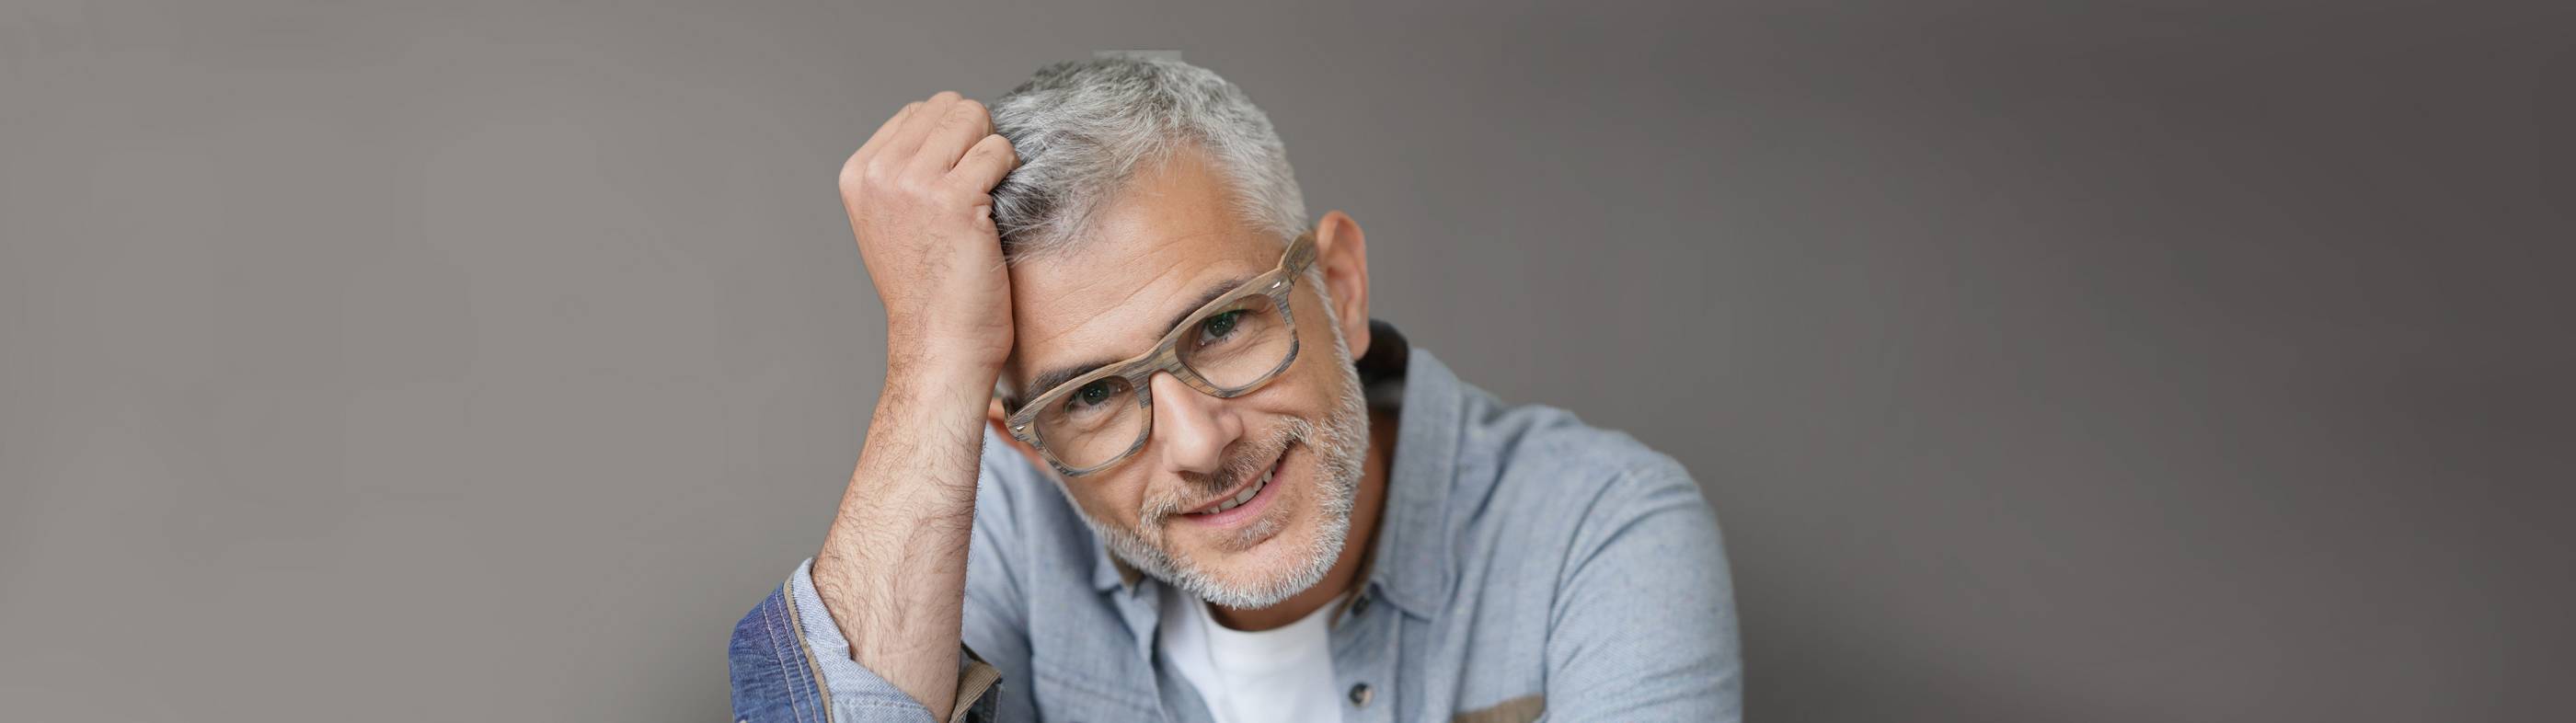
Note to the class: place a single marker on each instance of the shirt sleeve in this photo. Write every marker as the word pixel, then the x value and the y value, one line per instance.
pixel 992 673
pixel 1644 628
pixel 859 694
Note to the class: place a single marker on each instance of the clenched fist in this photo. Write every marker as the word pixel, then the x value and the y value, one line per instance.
pixel 919 193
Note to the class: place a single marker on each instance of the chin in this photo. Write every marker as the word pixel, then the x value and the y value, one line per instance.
pixel 1272 563
pixel 1275 552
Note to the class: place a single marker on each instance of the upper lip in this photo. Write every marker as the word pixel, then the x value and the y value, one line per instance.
pixel 1238 489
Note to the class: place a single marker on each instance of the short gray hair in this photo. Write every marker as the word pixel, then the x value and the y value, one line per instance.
pixel 1084 128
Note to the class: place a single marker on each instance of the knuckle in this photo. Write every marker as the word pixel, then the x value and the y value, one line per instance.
pixel 879 170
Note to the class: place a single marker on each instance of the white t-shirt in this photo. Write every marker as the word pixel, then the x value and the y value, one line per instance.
pixel 1282 675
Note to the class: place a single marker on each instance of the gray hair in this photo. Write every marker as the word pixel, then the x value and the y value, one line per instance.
pixel 1084 128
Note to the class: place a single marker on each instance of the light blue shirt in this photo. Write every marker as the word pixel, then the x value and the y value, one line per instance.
pixel 1525 562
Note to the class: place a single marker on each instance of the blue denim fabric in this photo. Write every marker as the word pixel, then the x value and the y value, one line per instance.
pixel 1525 562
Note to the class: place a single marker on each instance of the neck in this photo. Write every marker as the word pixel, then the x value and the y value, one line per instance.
pixel 1367 503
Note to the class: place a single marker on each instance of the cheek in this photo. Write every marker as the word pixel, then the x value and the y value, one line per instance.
pixel 1306 391
pixel 1115 501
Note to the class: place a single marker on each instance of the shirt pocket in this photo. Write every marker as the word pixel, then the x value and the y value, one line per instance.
pixel 1073 697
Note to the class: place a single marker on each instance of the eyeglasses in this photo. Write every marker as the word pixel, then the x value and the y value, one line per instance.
pixel 1228 348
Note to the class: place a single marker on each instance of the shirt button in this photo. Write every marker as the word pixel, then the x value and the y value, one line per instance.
pixel 1360 607
pixel 1360 695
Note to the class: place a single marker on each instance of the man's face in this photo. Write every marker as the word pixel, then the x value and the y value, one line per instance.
pixel 1162 249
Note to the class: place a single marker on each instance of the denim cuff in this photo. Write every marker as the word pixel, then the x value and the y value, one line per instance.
pixel 859 694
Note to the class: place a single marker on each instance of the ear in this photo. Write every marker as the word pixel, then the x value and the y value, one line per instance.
pixel 994 415
pixel 1342 251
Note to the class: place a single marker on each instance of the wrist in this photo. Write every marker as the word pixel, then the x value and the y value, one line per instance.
pixel 979 347
pixel 941 377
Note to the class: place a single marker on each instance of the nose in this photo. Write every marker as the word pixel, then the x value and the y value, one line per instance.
pixel 1192 429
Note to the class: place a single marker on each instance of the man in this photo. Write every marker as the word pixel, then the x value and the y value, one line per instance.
pixel 1142 455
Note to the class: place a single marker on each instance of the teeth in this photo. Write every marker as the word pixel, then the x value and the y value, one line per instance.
pixel 1245 496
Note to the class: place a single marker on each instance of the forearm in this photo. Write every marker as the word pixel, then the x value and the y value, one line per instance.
pixel 892 570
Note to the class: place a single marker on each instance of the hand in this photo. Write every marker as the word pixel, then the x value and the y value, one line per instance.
pixel 919 193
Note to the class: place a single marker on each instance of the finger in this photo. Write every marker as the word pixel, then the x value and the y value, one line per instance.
pixel 985 164
pixel 966 124
pixel 907 138
pixel 887 128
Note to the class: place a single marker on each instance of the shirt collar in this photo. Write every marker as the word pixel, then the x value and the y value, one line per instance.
pixel 1412 564
pixel 1413 555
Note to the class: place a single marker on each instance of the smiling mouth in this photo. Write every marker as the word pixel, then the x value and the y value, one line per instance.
pixel 1244 494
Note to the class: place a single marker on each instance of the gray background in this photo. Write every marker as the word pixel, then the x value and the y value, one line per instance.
pixel 2137 361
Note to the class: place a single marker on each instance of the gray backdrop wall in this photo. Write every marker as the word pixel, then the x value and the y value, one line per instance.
pixel 2046 361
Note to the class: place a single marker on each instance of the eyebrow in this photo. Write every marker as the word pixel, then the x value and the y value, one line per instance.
pixel 1053 378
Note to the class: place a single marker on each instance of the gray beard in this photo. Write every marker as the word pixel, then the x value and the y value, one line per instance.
pixel 1340 445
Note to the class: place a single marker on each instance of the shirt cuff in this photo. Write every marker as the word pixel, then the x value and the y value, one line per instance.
pixel 852 685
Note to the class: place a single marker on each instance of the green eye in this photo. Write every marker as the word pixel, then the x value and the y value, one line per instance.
pixel 1219 326
pixel 1091 395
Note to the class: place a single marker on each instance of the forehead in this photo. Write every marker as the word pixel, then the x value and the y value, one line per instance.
pixel 1153 252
